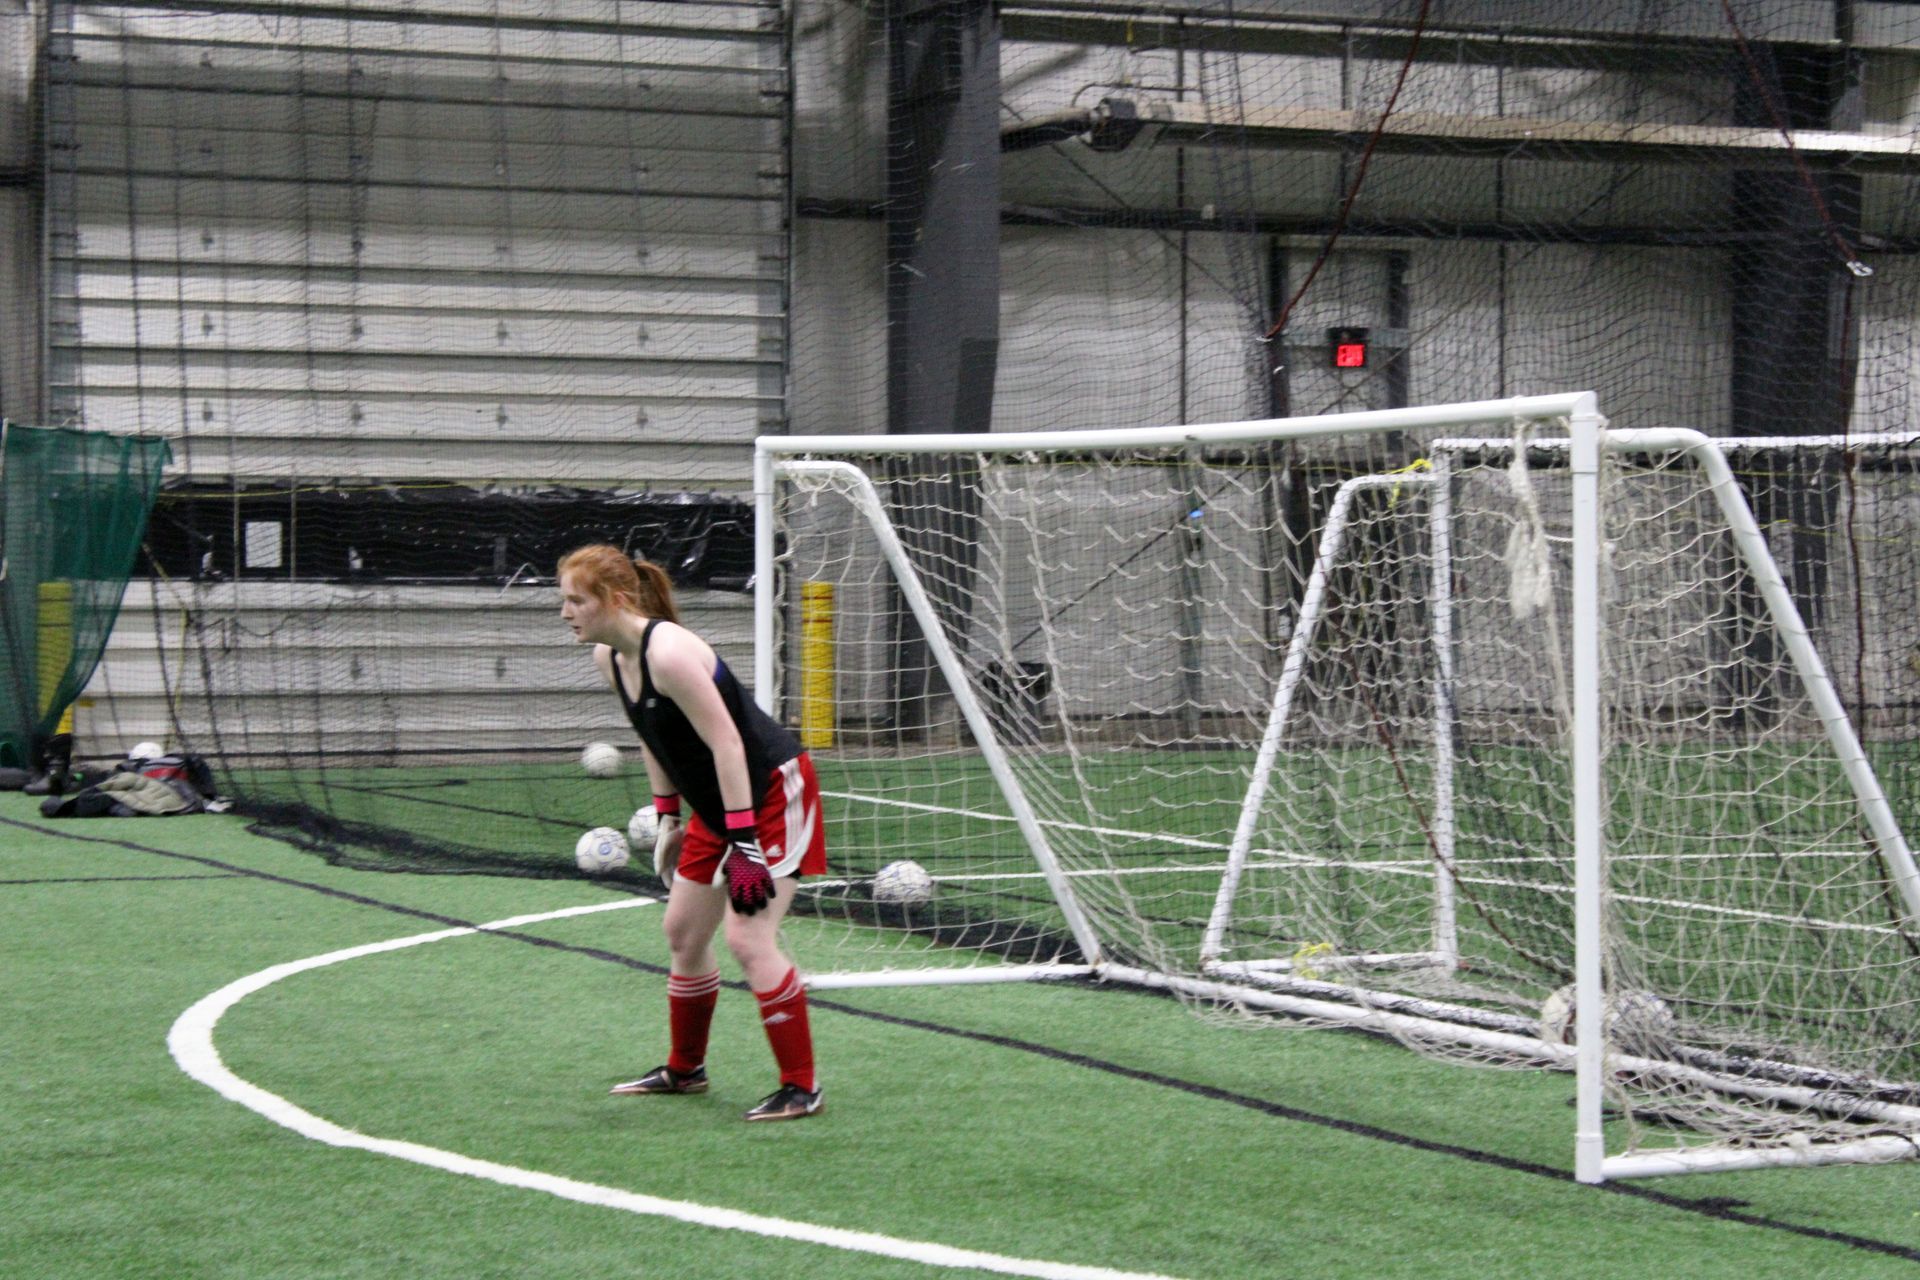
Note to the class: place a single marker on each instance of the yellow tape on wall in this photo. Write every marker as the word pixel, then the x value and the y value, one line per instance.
pixel 817 710
pixel 55 645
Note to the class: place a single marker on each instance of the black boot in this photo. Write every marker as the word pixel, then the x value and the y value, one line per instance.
pixel 56 764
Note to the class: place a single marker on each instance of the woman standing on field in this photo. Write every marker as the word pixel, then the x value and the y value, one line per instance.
pixel 753 829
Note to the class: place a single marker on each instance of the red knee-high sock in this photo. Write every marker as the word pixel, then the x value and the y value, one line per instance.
pixel 783 1012
pixel 690 1004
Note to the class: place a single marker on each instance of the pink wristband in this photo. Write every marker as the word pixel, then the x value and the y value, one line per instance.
pixel 739 820
pixel 666 806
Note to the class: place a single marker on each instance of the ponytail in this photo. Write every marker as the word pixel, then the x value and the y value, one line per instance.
pixel 656 591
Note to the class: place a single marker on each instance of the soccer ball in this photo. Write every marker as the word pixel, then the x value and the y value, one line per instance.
pixel 146 751
pixel 600 759
pixel 904 883
pixel 1638 1022
pixel 643 827
pixel 600 850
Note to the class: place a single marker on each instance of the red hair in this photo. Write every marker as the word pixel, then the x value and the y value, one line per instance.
pixel 606 573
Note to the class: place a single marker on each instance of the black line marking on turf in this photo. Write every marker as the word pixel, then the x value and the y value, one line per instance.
pixel 1716 1207
pixel 451 804
pixel 223 875
pixel 557 775
pixel 1713 1207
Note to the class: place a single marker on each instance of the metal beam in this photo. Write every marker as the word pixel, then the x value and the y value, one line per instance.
pixel 1252 34
pixel 1517 137
pixel 1508 232
pixel 408 16
pixel 943 297
pixel 1622 28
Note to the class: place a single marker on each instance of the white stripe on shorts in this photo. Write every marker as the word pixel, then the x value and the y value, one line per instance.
pixel 799 819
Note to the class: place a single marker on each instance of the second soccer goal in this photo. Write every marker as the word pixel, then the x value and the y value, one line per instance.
pixel 1521 738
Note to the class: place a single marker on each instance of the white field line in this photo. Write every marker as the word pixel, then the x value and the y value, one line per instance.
pixel 1061 824
pixel 1416 867
pixel 191 1043
pixel 1301 859
pixel 1412 869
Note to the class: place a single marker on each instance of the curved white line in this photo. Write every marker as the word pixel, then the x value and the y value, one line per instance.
pixel 191 1043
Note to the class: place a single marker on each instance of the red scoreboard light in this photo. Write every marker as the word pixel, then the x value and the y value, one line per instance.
pixel 1349 348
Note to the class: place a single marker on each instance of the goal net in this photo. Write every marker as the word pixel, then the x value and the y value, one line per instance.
pixel 1369 748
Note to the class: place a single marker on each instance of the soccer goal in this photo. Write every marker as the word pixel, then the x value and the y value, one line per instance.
pixel 1523 740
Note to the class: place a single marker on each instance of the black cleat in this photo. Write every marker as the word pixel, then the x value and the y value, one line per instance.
pixel 788 1102
pixel 666 1080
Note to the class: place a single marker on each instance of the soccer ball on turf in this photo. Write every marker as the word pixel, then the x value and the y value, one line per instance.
pixel 643 827
pixel 600 759
pixel 904 883
pixel 600 850
pixel 1637 1022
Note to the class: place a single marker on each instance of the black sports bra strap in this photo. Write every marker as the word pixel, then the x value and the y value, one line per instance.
pixel 619 681
pixel 646 636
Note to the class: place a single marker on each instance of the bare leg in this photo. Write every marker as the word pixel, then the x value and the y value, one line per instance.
pixel 755 943
pixel 755 939
pixel 693 986
pixel 692 919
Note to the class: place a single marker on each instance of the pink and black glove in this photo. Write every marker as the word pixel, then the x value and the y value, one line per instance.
pixel 667 836
pixel 749 882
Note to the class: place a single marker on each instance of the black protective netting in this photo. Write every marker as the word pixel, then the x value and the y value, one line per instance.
pixel 75 505
pixel 553 261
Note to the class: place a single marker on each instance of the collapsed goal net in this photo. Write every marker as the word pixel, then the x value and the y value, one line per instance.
pixel 1525 741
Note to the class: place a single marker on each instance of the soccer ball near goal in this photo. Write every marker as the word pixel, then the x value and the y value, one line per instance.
pixel 145 751
pixel 643 827
pixel 600 850
pixel 904 883
pixel 600 759
pixel 1636 1021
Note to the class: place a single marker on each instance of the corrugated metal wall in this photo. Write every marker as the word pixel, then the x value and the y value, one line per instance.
pixel 547 240
pixel 388 670
pixel 19 220
pixel 493 243
pixel 518 243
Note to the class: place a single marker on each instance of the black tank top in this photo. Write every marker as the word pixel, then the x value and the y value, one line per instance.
pixel 684 756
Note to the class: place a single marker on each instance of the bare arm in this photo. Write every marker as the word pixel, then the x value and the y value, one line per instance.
pixel 662 784
pixel 682 665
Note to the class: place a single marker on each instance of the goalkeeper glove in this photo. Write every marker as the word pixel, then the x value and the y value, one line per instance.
pixel 667 847
pixel 749 882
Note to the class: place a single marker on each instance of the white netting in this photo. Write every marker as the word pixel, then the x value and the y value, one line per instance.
pixel 1753 918
pixel 1129 623
pixel 1110 616
pixel 1749 888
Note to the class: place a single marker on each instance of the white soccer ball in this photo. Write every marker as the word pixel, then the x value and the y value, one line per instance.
pixel 1556 1017
pixel 1637 1022
pixel 600 759
pixel 146 751
pixel 601 850
pixel 904 883
pixel 643 827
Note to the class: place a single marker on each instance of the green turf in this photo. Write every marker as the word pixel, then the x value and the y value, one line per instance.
pixel 1689 826
pixel 1059 1122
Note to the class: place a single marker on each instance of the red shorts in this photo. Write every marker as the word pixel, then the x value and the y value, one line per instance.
pixel 791 832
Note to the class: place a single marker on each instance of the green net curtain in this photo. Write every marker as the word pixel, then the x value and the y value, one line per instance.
pixel 73 508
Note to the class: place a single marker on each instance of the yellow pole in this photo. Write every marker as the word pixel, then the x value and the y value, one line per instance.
pixel 816 665
pixel 55 645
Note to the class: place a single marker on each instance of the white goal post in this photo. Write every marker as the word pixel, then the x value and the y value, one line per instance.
pixel 1484 726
